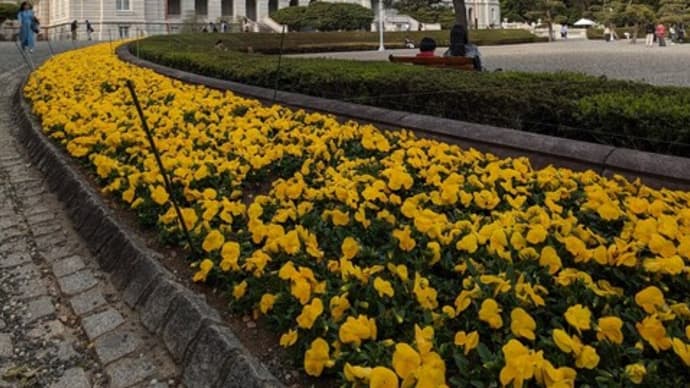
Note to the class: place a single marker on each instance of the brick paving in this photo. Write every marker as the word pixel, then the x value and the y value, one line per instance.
pixel 62 324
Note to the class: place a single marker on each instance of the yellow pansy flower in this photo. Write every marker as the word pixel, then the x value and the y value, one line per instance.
pixel 317 357
pixel 239 290
pixel 522 324
pixel 204 268
pixel 159 195
pixel 213 241
pixel 288 339
pixel 635 372
pixel 653 331
pixel 609 328
pixel 355 330
pixel 468 341
pixel 490 312
pixel 266 303
pixel 578 317
pixel 382 377
pixel 383 287
pixel 310 313
pixel 406 360
pixel 650 298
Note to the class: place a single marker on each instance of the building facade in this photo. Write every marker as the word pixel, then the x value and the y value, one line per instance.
pixel 112 19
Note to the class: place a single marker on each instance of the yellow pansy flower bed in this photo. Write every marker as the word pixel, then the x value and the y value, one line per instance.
pixel 382 258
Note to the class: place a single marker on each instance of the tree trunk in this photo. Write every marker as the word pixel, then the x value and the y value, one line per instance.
pixel 550 24
pixel 634 37
pixel 460 13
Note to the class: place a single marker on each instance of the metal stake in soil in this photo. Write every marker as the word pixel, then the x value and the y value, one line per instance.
pixel 23 54
pixel 166 180
pixel 280 57
pixel 50 47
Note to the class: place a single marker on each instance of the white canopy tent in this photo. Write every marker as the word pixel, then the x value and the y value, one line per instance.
pixel 584 23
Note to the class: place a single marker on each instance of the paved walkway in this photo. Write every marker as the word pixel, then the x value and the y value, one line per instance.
pixel 62 324
pixel 618 60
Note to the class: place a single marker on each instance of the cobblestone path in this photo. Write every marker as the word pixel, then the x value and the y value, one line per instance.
pixel 62 324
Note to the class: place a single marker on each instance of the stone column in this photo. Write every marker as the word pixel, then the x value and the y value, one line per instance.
pixel 187 9
pixel 239 9
pixel 261 9
pixel 283 4
pixel 214 11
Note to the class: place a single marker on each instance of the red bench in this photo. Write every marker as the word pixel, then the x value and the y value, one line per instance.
pixel 461 63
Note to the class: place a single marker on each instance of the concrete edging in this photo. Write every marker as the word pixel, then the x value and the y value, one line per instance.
pixel 653 169
pixel 206 350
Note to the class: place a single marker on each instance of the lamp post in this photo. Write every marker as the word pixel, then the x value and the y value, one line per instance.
pixel 381 47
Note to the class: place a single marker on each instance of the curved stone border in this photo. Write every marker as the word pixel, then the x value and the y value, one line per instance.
pixel 207 351
pixel 656 170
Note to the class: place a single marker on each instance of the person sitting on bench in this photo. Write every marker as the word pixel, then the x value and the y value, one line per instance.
pixel 460 47
pixel 427 46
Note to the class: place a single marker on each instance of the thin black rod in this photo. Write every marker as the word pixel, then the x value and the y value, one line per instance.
pixel 50 46
pixel 280 57
pixel 18 44
pixel 166 180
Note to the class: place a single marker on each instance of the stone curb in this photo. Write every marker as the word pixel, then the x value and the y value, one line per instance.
pixel 207 351
pixel 655 170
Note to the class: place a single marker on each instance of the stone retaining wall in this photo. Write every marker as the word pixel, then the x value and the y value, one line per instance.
pixel 655 170
pixel 208 352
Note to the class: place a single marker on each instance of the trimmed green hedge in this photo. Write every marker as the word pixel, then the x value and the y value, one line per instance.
pixel 325 17
pixel 598 33
pixel 576 106
pixel 305 42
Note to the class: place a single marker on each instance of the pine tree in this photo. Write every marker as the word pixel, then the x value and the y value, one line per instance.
pixel 674 11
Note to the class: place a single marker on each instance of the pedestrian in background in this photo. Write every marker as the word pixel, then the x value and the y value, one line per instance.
pixel 73 28
pixel 660 34
pixel 672 32
pixel 564 31
pixel 28 24
pixel 89 30
pixel 649 38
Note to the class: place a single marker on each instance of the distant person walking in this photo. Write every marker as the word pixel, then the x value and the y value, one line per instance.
pixel 660 34
pixel 28 25
pixel 89 30
pixel 649 38
pixel 73 28
pixel 564 31
pixel 607 34
pixel 672 32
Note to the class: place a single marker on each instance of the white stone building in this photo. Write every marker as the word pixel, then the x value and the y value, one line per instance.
pixel 113 19
pixel 481 13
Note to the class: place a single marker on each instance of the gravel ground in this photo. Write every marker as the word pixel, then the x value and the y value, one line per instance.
pixel 620 60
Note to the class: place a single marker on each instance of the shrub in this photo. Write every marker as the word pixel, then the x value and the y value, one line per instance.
pixel 325 17
pixel 293 17
pixel 8 11
pixel 598 33
pixel 562 104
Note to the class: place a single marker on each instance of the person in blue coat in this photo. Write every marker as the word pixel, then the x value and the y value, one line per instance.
pixel 27 24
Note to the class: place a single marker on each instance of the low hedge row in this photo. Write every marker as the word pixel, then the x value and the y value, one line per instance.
pixel 301 42
pixel 576 106
pixel 598 33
